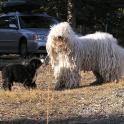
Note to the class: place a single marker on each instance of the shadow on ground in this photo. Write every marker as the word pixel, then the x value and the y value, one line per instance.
pixel 78 120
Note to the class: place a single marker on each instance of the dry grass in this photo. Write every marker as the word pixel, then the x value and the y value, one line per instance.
pixel 87 103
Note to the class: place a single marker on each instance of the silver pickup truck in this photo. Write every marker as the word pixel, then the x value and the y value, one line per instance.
pixel 24 33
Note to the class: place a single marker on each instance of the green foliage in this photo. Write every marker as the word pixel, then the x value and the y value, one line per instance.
pixel 101 15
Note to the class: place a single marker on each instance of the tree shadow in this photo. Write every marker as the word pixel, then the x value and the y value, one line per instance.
pixel 77 120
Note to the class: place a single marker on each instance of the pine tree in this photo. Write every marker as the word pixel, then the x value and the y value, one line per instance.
pixel 71 13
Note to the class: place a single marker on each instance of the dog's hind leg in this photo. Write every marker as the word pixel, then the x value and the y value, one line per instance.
pixel 7 84
pixel 99 78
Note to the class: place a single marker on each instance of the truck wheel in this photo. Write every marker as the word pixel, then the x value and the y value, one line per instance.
pixel 23 49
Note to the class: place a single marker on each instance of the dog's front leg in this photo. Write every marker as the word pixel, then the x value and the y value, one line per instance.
pixel 66 78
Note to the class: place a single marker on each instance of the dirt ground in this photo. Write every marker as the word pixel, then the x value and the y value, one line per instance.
pixel 102 104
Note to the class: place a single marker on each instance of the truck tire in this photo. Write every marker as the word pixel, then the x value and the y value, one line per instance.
pixel 23 49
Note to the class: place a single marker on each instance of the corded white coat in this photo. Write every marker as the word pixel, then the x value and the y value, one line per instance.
pixel 70 54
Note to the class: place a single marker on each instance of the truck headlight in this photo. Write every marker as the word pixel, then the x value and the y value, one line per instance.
pixel 39 37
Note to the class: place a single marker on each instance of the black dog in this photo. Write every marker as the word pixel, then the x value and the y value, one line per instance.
pixel 25 74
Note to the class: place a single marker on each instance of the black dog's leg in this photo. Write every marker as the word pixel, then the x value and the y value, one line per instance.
pixel 33 85
pixel 29 84
pixel 26 84
pixel 7 84
pixel 99 78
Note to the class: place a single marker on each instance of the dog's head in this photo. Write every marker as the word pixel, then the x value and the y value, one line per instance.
pixel 35 63
pixel 60 37
pixel 60 41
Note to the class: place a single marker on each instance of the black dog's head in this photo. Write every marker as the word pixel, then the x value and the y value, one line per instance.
pixel 35 63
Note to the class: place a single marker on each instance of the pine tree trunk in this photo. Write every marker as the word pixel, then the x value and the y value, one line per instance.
pixel 71 17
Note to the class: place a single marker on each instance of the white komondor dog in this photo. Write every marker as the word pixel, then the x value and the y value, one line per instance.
pixel 69 54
